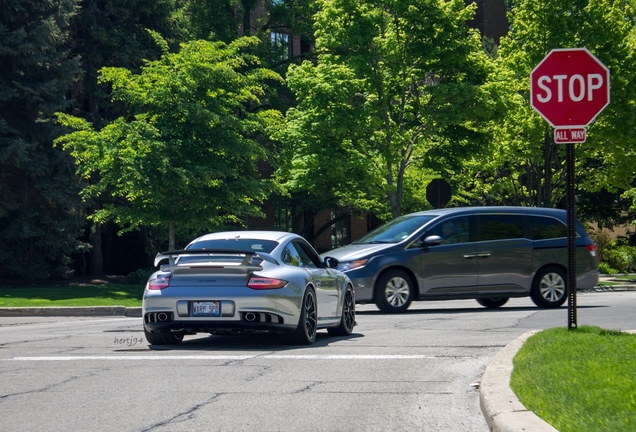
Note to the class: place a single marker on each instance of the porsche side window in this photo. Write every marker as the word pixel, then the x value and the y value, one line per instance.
pixel 307 257
pixel 290 256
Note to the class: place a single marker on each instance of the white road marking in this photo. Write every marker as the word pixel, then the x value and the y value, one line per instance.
pixel 230 357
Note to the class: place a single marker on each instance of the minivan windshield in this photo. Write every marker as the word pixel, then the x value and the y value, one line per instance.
pixel 396 230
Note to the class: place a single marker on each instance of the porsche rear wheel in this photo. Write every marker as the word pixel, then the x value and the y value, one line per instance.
pixel 305 333
pixel 167 338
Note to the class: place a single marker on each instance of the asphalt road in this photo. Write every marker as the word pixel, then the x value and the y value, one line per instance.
pixel 413 372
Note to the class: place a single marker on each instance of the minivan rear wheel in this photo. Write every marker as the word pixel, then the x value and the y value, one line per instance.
pixel 394 291
pixel 549 289
pixel 492 303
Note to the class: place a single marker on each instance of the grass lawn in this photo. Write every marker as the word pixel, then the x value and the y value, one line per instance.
pixel 90 294
pixel 581 380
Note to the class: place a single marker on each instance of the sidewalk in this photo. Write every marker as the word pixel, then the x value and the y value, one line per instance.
pixel 71 311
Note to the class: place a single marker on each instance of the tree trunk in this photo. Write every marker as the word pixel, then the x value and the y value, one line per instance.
pixel 171 236
pixel 96 256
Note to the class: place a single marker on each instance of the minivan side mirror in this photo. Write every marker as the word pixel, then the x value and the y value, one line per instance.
pixel 433 240
pixel 331 262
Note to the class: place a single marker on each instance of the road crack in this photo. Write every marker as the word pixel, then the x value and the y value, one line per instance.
pixel 184 416
pixel 48 387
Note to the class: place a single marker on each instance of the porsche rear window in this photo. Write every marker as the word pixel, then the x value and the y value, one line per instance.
pixel 240 245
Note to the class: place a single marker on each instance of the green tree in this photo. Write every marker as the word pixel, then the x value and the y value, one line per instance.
pixel 186 156
pixel 39 210
pixel 526 166
pixel 399 87
pixel 210 19
pixel 112 33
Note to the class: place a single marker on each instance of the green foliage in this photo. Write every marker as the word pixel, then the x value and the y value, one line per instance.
pixel 601 241
pixel 140 276
pixel 526 167
pixel 578 380
pixel 605 268
pixel 614 256
pixel 40 214
pixel 187 152
pixel 398 86
pixel 114 33
pixel 621 257
pixel 210 19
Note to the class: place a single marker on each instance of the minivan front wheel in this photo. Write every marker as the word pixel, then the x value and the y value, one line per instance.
pixel 549 289
pixel 394 291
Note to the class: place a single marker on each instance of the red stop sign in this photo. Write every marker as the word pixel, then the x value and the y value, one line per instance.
pixel 569 87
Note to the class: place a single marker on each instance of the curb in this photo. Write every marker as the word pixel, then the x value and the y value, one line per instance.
pixel 501 408
pixel 626 287
pixel 71 311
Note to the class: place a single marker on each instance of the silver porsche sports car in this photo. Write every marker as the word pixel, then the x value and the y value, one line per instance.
pixel 240 281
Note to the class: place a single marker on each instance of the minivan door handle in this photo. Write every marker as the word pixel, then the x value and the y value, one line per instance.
pixel 469 256
pixel 483 254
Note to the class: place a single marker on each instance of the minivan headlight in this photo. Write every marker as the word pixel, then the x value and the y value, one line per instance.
pixel 350 265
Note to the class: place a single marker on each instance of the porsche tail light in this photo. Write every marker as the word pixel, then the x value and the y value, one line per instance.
pixel 159 282
pixel 262 283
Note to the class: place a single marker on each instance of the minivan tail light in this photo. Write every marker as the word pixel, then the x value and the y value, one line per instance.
pixel 159 282
pixel 262 283
pixel 591 249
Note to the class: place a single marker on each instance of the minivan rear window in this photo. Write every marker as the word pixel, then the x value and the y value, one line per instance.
pixel 543 228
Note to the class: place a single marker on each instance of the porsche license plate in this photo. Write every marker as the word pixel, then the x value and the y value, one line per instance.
pixel 212 309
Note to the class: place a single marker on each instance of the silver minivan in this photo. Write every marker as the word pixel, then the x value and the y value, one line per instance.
pixel 485 253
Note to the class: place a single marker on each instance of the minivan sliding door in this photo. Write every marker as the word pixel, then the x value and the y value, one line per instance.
pixel 504 254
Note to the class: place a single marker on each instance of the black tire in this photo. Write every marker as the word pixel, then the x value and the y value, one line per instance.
pixel 305 333
pixel 394 292
pixel 164 338
pixel 549 288
pixel 493 303
pixel 348 317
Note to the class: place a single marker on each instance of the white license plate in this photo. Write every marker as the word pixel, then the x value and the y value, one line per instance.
pixel 212 309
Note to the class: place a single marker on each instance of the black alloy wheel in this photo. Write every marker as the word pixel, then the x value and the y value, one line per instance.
pixel 305 333
pixel 348 317
pixel 164 338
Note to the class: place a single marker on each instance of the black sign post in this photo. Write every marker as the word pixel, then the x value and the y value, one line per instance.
pixel 571 219
pixel 569 88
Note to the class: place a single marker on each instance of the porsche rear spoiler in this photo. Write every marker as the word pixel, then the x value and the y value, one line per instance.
pixel 246 266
